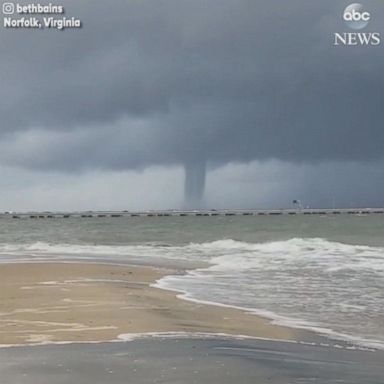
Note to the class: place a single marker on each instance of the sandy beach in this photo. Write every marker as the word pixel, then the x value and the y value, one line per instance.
pixel 60 302
pixel 87 304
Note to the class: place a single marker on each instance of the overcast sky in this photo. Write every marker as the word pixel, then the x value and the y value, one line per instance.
pixel 253 92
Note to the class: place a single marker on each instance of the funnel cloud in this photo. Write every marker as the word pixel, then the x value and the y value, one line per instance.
pixel 193 86
pixel 195 174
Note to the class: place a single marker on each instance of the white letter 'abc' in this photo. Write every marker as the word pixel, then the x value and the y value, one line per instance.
pixel 355 17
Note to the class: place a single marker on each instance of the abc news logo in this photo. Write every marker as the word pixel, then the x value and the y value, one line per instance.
pixel 355 17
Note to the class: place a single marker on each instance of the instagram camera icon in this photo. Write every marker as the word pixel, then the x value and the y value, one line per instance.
pixel 8 8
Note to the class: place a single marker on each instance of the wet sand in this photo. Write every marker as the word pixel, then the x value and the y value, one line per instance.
pixel 175 361
pixel 53 303
pixel 61 302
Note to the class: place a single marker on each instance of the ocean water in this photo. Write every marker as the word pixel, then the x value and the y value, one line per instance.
pixel 319 273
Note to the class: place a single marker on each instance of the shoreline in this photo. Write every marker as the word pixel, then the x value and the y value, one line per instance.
pixel 312 332
pixel 47 303
pixel 218 320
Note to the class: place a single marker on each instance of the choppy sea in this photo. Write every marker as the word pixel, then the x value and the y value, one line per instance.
pixel 320 273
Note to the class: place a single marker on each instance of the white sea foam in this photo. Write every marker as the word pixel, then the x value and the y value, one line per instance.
pixel 311 283
pixel 42 251
pixel 194 335
pixel 332 288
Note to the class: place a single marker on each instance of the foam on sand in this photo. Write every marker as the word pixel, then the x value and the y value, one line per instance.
pixel 101 309
pixel 313 284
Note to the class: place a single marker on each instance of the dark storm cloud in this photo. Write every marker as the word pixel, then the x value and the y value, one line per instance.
pixel 148 82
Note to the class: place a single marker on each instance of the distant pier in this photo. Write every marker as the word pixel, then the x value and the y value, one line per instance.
pixel 190 213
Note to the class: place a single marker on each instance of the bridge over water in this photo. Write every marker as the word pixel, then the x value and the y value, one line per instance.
pixel 189 213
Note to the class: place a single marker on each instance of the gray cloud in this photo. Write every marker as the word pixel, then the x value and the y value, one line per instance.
pixel 274 184
pixel 180 81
